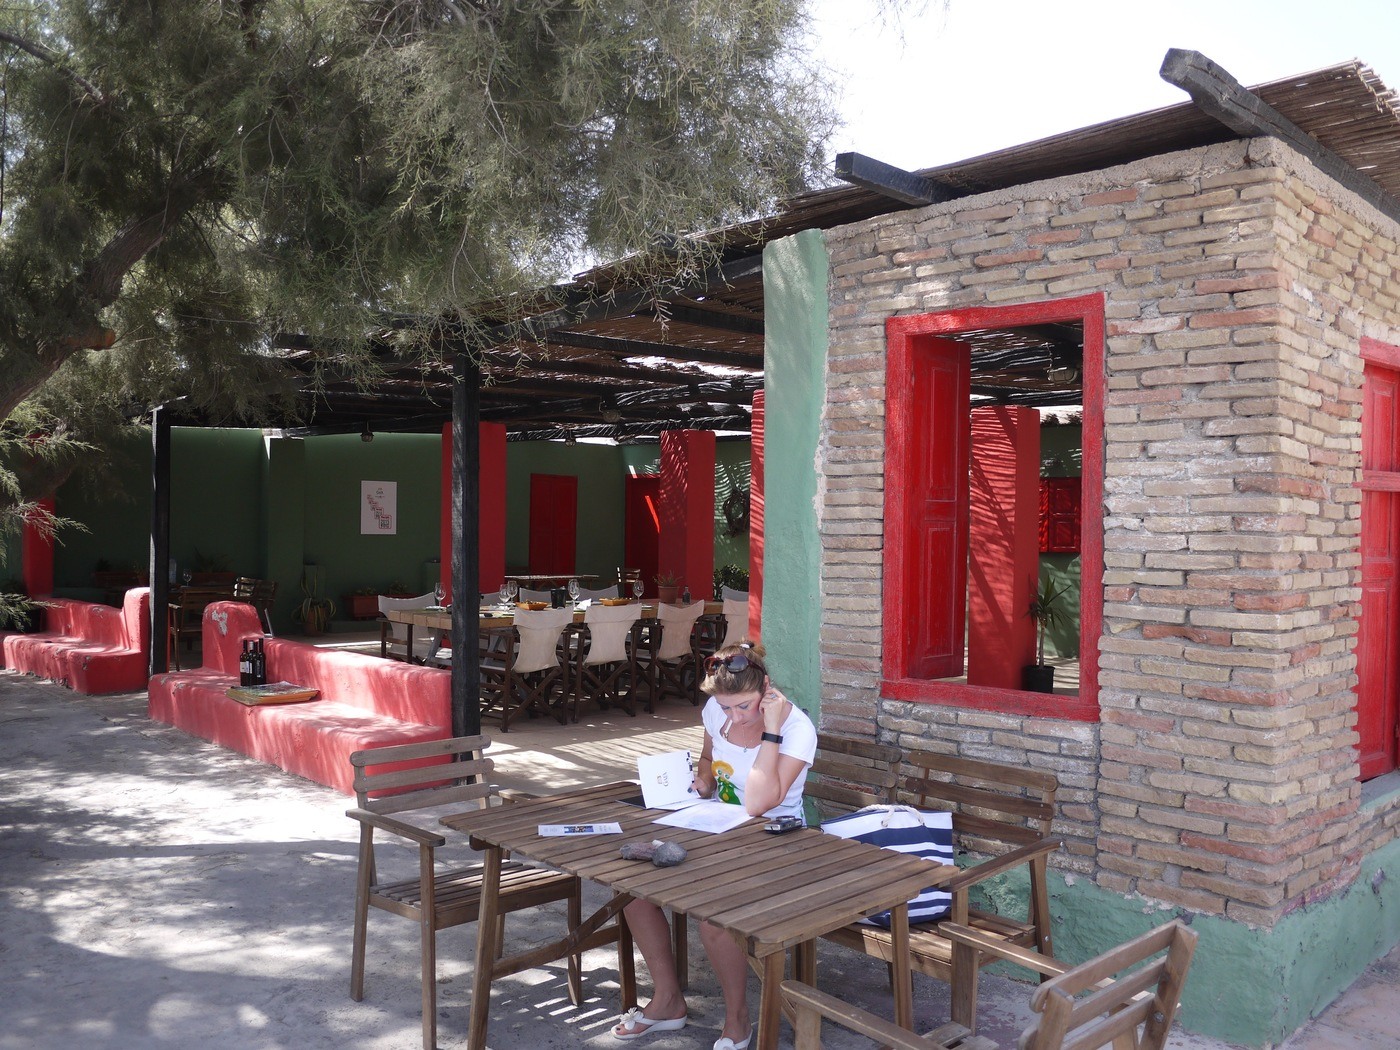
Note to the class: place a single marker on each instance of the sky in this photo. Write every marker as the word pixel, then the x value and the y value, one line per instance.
pixel 949 81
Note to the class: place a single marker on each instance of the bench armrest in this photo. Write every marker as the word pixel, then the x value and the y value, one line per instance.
pixel 805 1001
pixel 979 941
pixel 1003 862
pixel 397 827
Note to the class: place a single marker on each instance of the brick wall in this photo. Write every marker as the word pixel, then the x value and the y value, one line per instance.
pixel 1237 283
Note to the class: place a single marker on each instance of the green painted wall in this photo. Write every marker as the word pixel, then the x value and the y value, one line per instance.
pixel 1062 456
pixel 334 468
pixel 795 347
pixel 599 469
pixel 1247 986
pixel 268 506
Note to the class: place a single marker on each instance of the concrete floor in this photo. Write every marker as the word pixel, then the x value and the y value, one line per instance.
pixel 159 891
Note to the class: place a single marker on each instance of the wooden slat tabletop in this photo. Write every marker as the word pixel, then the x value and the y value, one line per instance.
pixel 774 891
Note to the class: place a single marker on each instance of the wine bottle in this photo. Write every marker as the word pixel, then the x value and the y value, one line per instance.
pixel 245 664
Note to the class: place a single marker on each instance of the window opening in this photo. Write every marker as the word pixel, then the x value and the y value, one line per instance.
pixel 993 501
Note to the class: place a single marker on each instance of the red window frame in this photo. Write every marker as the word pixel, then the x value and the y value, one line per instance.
pixel 908 587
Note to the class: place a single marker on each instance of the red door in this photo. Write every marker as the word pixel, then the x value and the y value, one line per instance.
pixel 553 523
pixel 936 575
pixel 1378 641
pixel 642 525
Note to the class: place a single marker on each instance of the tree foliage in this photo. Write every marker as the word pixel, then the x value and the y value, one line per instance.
pixel 183 178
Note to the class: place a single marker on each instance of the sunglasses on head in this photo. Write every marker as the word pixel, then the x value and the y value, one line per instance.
pixel 733 663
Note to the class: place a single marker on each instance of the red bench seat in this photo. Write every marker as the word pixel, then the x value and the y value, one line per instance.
pixel 364 701
pixel 90 648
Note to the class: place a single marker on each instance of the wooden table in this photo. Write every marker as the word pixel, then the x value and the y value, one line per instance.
pixel 559 579
pixel 771 892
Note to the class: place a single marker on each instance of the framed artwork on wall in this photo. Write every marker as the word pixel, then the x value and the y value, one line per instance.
pixel 379 507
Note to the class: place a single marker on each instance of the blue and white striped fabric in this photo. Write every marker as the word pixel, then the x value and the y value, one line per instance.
pixel 927 833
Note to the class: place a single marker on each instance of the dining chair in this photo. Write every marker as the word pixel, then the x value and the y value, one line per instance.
pixel 626 578
pixel 415 779
pixel 522 668
pixel 601 592
pixel 260 594
pixel 736 620
pixel 185 621
pixel 393 637
pixel 603 659
pixel 729 594
pixel 1125 997
pixel 1003 815
pixel 534 594
pixel 670 659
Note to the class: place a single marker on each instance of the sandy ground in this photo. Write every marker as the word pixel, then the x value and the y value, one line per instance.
pixel 161 892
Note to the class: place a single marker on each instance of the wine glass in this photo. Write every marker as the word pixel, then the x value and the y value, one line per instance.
pixel 637 588
pixel 512 591
pixel 187 576
pixel 505 594
pixel 573 590
pixel 439 593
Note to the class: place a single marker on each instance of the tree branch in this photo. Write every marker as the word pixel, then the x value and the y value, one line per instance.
pixel 44 54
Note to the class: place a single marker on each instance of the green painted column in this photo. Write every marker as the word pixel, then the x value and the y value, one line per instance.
pixel 284 523
pixel 794 381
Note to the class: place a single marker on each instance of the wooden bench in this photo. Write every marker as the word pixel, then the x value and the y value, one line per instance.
pixel 1001 812
pixel 89 647
pixel 364 702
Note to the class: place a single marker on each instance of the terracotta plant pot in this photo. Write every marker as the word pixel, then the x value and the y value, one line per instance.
pixel 667 595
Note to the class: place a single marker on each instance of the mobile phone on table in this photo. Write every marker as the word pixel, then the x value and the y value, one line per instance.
pixel 778 825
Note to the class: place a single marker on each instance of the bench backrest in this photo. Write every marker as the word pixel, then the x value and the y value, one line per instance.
pixel 849 773
pixel 124 628
pixel 992 804
pixel 408 692
pixel 225 626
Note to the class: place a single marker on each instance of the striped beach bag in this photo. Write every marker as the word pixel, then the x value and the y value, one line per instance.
pixel 927 833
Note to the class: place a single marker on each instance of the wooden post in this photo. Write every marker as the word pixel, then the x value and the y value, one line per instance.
pixel 160 540
pixel 466 512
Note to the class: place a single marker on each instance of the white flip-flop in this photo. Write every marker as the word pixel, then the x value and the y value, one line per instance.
pixel 725 1043
pixel 635 1016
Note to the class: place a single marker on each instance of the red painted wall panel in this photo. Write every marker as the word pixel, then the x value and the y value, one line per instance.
pixel 491 524
pixel 687 542
pixel 1003 544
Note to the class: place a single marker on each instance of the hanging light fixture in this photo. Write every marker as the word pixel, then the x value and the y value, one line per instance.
pixel 366 435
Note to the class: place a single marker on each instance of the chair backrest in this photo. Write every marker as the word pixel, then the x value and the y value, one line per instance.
pixel 257 593
pixel 405 777
pixel 736 620
pixel 601 592
pixel 850 773
pixel 677 622
pixel 425 643
pixel 609 627
pixel 539 631
pixel 1122 996
pixel 992 804
pixel 729 594
pixel 533 594
pixel 626 577
pixel 1085 1008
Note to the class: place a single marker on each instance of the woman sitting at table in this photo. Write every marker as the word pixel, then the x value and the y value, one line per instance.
pixel 757 748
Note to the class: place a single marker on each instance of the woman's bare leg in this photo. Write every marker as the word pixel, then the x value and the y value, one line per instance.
pixel 731 968
pixel 651 933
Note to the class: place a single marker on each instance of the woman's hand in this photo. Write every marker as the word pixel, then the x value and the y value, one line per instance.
pixel 774 706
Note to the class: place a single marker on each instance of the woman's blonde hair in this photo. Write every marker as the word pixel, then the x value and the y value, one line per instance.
pixel 735 669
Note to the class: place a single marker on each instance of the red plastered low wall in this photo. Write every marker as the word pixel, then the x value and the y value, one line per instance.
pixel 365 701
pixel 91 648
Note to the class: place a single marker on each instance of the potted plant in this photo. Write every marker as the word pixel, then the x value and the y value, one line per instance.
pixel 210 570
pixel 1047 610
pixel 314 611
pixel 667 587
pixel 362 603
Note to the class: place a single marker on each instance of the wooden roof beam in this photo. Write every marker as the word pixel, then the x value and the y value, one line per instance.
pixel 646 348
pixel 1218 94
pixel 889 181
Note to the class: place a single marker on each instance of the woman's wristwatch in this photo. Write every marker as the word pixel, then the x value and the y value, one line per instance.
pixel 776 738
